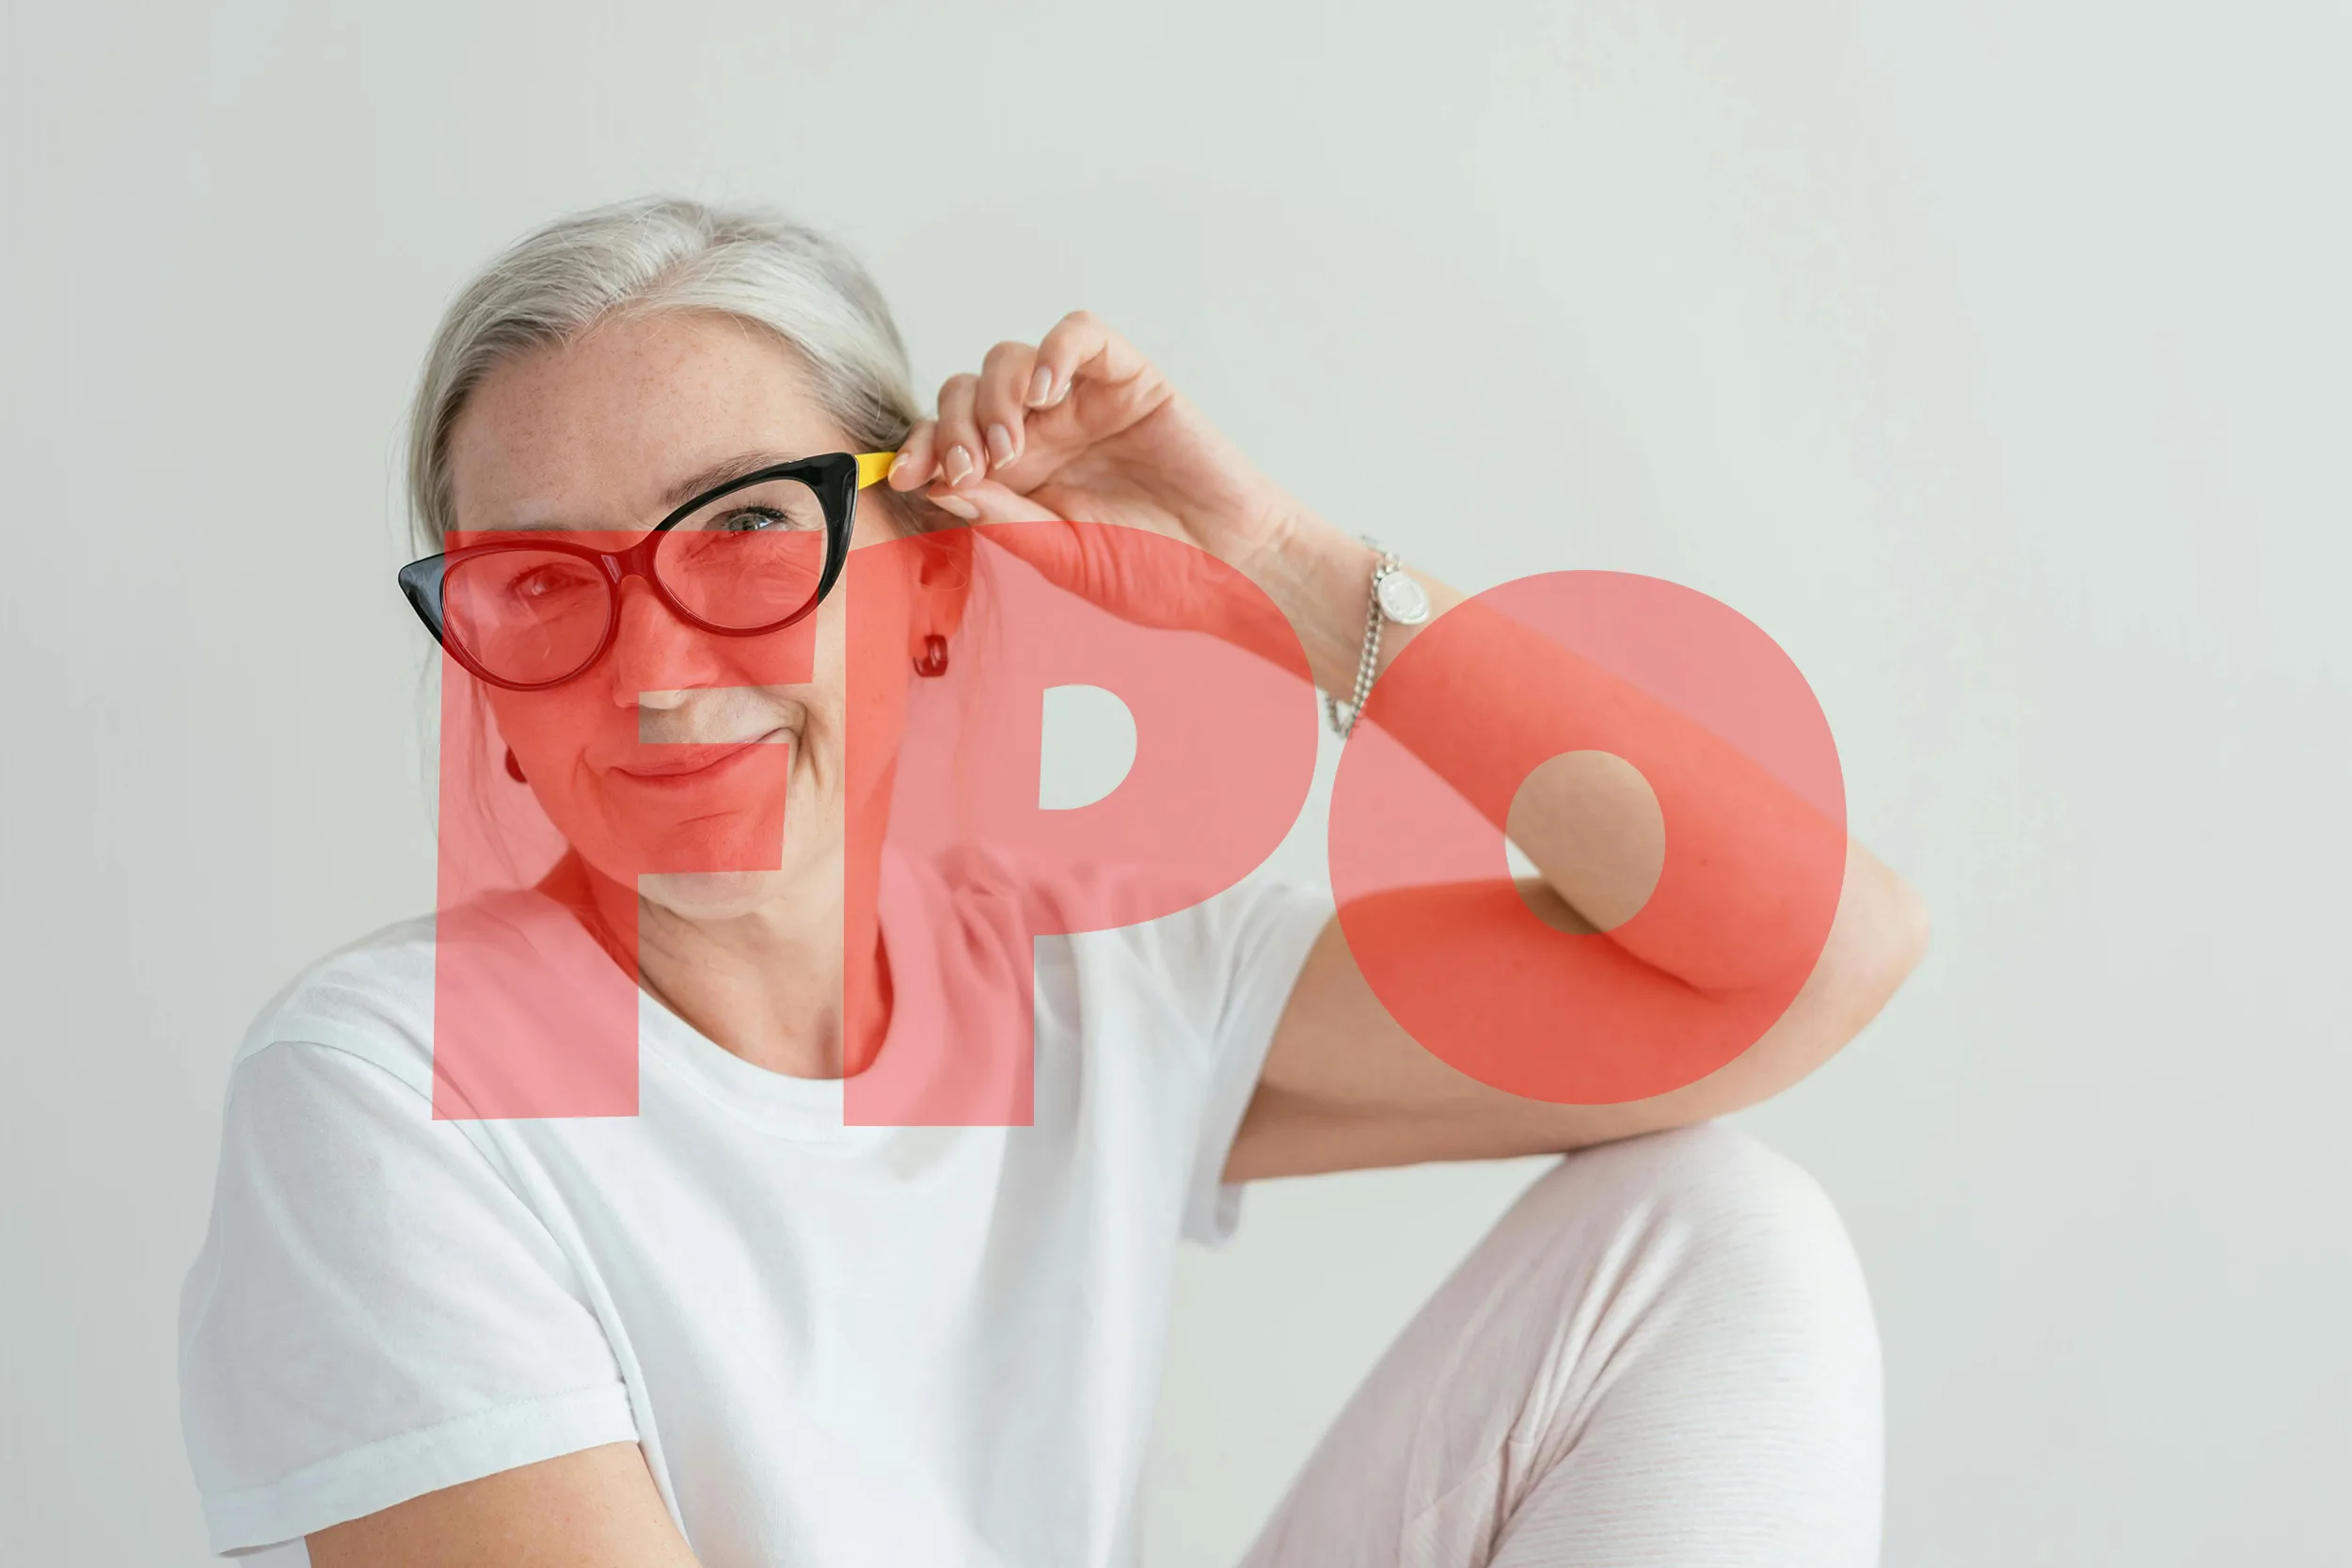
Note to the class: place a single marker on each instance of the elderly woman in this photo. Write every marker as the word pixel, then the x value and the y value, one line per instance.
pixel 742 1326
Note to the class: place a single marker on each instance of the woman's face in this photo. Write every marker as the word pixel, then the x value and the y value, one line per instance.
pixel 647 746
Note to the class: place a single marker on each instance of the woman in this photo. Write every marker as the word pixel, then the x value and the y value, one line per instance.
pixel 735 1328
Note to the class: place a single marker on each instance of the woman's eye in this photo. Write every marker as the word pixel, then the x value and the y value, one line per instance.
pixel 750 519
pixel 545 583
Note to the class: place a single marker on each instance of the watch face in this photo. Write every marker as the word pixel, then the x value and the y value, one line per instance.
pixel 1403 600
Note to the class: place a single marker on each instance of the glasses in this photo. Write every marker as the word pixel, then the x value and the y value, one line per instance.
pixel 749 557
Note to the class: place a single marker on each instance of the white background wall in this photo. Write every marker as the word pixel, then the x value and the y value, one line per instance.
pixel 1991 357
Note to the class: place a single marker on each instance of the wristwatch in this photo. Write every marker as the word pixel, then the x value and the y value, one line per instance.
pixel 1395 596
pixel 1400 597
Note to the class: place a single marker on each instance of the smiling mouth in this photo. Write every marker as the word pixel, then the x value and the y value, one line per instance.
pixel 671 764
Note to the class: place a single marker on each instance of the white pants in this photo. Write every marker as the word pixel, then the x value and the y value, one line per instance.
pixel 1662 1357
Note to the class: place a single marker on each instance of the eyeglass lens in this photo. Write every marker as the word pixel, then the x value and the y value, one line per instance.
pixel 749 559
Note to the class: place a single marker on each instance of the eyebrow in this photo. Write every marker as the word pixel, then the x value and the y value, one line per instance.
pixel 725 471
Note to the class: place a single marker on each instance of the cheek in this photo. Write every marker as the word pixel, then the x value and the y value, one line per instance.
pixel 858 702
pixel 826 728
pixel 549 732
pixel 870 620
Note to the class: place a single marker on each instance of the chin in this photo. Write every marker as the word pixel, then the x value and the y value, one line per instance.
pixel 711 895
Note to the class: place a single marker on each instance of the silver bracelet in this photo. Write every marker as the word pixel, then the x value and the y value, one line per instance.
pixel 1394 597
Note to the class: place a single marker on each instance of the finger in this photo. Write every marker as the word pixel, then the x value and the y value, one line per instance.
pixel 961 458
pixel 992 502
pixel 1080 343
pixel 916 460
pixel 996 404
pixel 984 501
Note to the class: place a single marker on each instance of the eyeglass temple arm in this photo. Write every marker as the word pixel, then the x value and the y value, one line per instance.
pixel 874 467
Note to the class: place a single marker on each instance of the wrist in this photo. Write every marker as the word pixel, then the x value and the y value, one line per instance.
pixel 1319 576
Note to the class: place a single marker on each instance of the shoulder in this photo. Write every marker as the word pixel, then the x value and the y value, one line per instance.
pixel 329 1145
pixel 370 1002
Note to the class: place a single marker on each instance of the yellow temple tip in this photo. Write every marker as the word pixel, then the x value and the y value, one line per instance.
pixel 874 467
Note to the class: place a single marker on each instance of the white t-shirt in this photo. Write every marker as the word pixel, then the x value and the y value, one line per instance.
pixel 836 1345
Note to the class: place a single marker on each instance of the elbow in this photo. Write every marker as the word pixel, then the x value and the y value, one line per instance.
pixel 1909 930
pixel 1869 957
pixel 1875 945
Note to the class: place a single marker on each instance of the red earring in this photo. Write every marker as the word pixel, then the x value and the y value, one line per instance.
pixel 932 660
pixel 514 768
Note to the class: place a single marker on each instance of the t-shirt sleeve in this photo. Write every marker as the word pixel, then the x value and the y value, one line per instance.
pixel 375 1312
pixel 1250 941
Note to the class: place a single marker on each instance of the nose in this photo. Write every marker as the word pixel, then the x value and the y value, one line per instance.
pixel 658 658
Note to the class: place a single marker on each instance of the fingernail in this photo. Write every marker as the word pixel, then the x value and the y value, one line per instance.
pixel 901 463
pixel 1060 392
pixel 959 465
pixel 999 445
pixel 957 506
pixel 1041 387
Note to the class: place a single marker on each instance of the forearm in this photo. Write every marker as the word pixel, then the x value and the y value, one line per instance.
pixel 1472 708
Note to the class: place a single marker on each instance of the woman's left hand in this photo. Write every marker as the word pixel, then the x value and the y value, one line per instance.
pixel 1081 427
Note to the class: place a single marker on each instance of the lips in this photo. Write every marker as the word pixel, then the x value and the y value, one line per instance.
pixel 665 764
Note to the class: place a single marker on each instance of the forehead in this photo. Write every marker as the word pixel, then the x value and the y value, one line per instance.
pixel 598 432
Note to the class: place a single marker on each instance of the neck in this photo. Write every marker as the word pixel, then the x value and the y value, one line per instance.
pixel 769 985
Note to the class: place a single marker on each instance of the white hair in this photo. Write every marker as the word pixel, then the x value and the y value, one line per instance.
pixel 654 254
